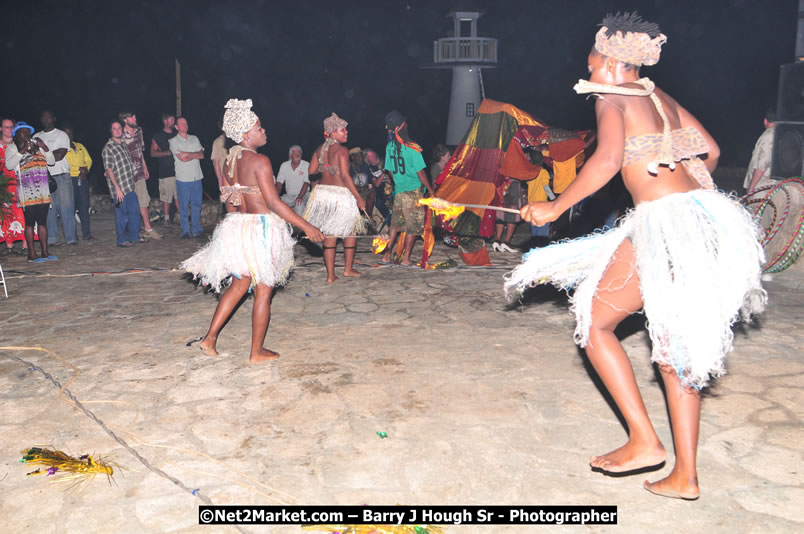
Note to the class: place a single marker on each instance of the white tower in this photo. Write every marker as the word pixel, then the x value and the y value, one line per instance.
pixel 465 53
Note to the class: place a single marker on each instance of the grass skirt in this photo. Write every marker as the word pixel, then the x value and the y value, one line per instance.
pixel 699 262
pixel 333 210
pixel 256 245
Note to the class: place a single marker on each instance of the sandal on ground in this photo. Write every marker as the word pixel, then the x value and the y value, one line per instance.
pixel 495 246
pixel 506 247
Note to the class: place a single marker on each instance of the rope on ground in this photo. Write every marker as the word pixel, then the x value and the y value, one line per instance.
pixel 122 272
pixel 67 393
pixel 68 397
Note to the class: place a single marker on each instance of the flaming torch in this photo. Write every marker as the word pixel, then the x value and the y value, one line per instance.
pixel 450 210
pixel 379 243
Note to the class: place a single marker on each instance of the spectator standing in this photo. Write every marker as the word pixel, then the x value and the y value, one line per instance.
pixel 119 172
pixel 132 135
pixel 12 226
pixel 80 165
pixel 218 155
pixel 295 176
pixel 160 151
pixel 441 155
pixel 187 154
pixel 63 201
pixel 759 169
pixel 30 160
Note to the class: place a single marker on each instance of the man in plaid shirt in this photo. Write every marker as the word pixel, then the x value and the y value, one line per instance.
pixel 120 176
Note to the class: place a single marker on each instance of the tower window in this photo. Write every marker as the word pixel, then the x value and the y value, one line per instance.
pixel 470 109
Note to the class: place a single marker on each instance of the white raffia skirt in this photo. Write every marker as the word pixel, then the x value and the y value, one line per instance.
pixel 244 244
pixel 699 263
pixel 333 210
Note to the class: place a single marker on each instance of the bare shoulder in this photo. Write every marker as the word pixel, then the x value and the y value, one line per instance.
pixel 609 101
pixel 255 158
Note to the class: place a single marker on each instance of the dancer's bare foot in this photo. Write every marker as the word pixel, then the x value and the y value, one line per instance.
pixel 350 272
pixel 207 346
pixel 331 279
pixel 629 457
pixel 263 355
pixel 675 486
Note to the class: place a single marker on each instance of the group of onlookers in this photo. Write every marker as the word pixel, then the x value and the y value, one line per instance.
pixel 47 173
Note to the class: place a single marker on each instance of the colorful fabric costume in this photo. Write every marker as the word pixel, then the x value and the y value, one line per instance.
pixel 699 262
pixel 12 225
pixel 32 180
pixel 481 168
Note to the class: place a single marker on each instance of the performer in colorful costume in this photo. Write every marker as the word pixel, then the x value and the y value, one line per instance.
pixel 687 254
pixel 335 203
pixel 252 245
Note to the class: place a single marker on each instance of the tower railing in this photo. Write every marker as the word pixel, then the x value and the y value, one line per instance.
pixel 465 50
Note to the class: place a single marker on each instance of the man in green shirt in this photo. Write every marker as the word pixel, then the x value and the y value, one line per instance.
pixel 404 160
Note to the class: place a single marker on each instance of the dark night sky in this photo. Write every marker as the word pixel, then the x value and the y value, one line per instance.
pixel 300 61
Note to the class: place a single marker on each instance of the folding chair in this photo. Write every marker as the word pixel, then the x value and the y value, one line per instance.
pixel 3 281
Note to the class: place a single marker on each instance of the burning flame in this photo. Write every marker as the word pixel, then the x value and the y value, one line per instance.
pixel 446 209
pixel 378 244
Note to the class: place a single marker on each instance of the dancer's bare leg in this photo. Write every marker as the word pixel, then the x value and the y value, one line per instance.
pixel 617 297
pixel 349 249
pixel 409 240
pixel 329 258
pixel 498 231
pixel 685 416
pixel 260 317
pixel 226 305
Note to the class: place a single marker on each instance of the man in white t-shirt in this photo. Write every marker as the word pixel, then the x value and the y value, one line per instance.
pixel 63 201
pixel 294 174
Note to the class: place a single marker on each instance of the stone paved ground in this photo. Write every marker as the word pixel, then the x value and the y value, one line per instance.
pixel 482 404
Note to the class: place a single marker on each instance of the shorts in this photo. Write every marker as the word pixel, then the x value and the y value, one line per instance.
pixel 36 214
pixel 167 189
pixel 408 215
pixel 141 188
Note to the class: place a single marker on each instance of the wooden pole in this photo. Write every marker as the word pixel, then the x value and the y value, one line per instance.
pixel 178 88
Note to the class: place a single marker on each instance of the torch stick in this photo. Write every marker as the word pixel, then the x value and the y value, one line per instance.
pixel 481 206
pixel 450 210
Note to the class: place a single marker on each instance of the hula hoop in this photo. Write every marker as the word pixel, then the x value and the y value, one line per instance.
pixel 795 245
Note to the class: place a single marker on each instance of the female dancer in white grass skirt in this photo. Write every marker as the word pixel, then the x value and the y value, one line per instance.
pixel 252 245
pixel 687 254
pixel 335 203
